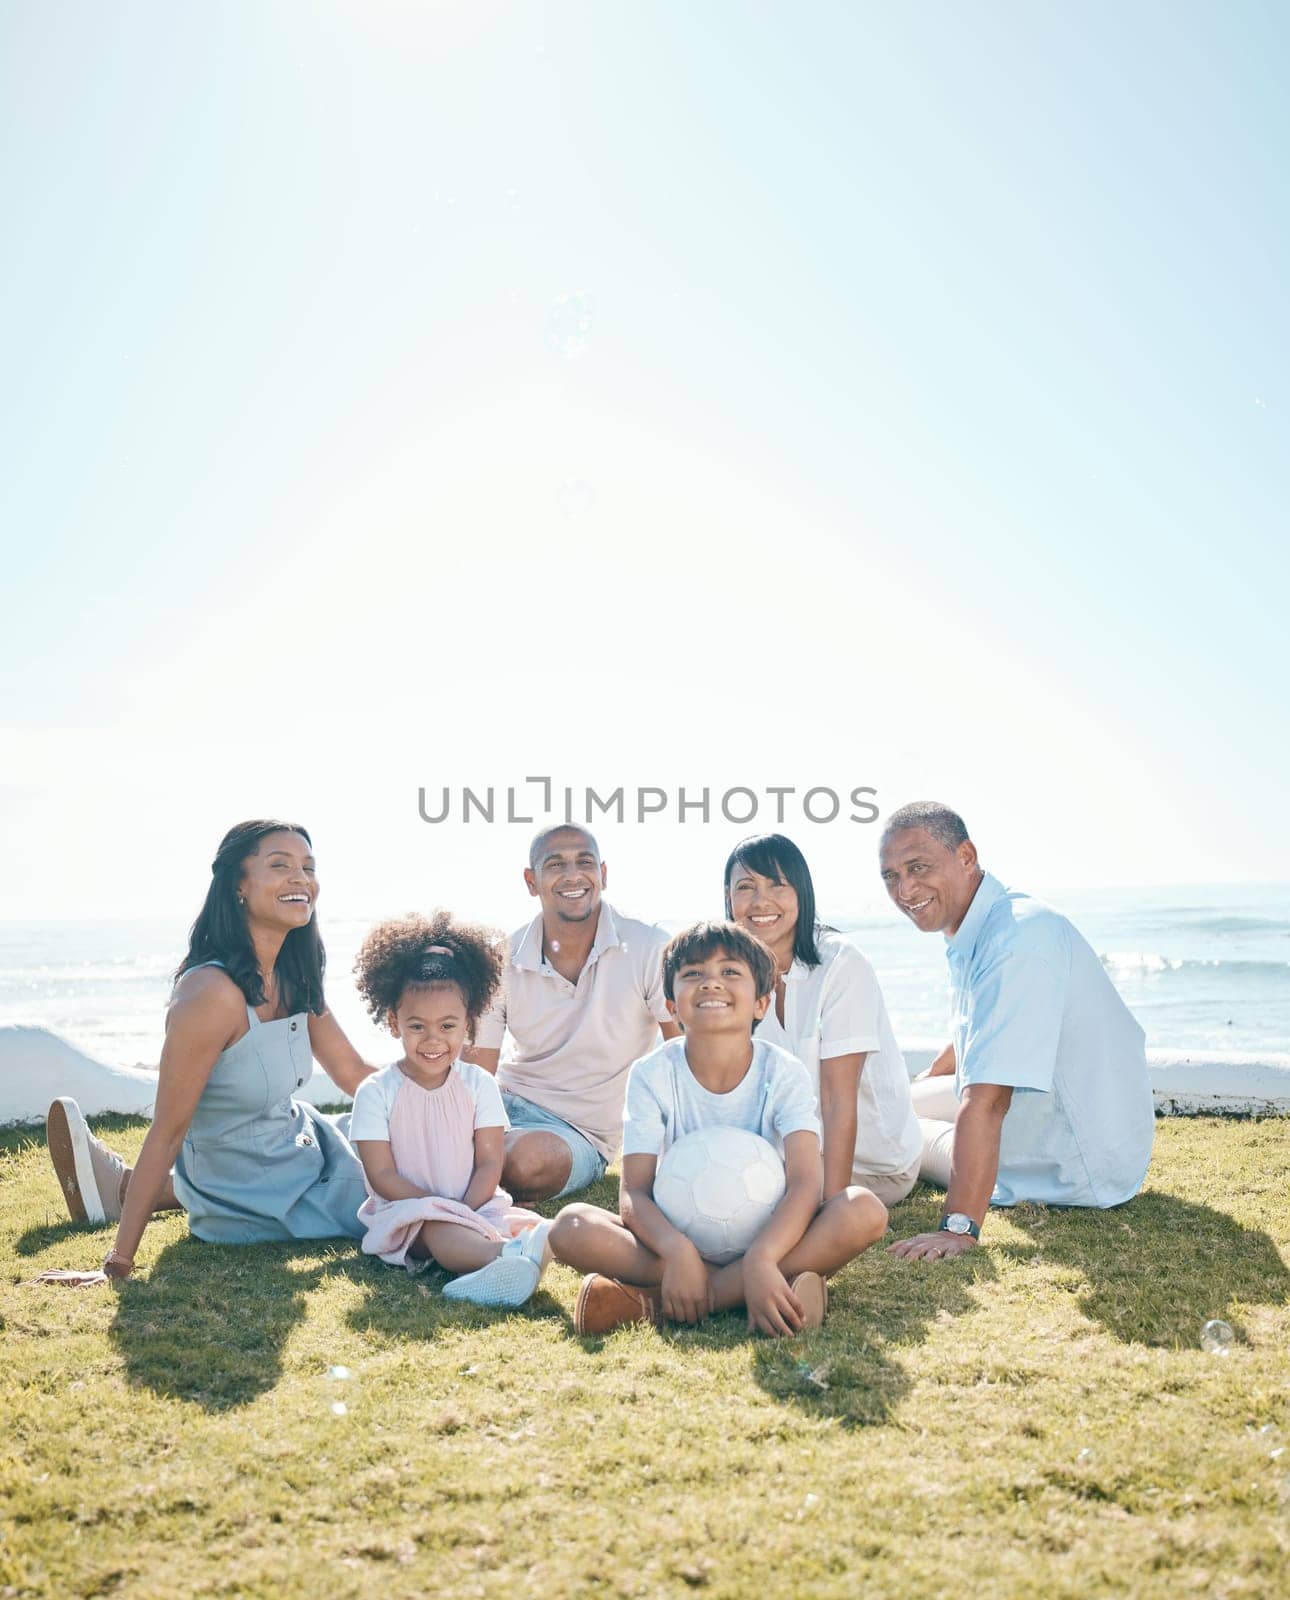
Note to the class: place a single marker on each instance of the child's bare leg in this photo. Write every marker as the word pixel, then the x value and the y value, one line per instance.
pixel 840 1231
pixel 594 1240
pixel 454 1246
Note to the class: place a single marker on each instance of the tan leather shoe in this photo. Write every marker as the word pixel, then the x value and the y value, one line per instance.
pixel 811 1289
pixel 605 1304
pixel 89 1174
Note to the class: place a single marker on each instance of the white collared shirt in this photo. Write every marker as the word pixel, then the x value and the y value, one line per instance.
pixel 837 1009
pixel 569 1046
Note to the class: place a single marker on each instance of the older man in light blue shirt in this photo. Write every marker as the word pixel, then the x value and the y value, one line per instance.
pixel 1049 1099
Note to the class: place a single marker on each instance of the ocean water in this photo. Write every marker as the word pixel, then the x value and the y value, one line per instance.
pixel 1202 968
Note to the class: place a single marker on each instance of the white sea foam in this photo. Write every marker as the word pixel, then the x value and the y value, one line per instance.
pixel 1202 969
pixel 1138 961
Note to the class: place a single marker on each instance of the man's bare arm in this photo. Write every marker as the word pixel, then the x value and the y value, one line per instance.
pixel 974 1167
pixel 942 1067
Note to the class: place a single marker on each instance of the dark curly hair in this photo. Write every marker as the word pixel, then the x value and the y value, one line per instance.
pixel 416 952
pixel 706 939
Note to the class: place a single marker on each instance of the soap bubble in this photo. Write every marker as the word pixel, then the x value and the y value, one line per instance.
pixel 1085 1454
pixel 338 1374
pixel 568 323
pixel 1216 1337
pixel 816 1377
pixel 574 496
pixel 339 1409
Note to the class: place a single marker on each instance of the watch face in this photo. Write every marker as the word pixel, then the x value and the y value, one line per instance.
pixel 956 1222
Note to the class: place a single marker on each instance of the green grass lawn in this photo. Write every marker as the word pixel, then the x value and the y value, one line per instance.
pixel 1038 1419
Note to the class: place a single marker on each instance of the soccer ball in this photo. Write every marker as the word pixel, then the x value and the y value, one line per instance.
pixel 719 1187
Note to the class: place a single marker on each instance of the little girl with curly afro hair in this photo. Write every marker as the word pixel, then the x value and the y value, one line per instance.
pixel 430 1129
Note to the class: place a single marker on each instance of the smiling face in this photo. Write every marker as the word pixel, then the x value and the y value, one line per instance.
pixel 715 994
pixel 765 906
pixel 431 1022
pixel 930 883
pixel 279 883
pixel 568 877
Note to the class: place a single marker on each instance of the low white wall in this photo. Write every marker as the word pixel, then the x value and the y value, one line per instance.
pixel 36 1064
pixel 1205 1082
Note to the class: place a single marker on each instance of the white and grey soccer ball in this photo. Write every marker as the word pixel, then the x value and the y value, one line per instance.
pixel 719 1187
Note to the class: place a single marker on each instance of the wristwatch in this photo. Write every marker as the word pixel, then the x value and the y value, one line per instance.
pixel 959 1222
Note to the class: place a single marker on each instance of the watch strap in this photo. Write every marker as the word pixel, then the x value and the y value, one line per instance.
pixel 971 1228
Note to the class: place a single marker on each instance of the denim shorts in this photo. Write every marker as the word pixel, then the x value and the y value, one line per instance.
pixel 587 1162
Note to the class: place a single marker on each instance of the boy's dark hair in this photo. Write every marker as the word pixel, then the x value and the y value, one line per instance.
pixel 416 952
pixel 705 939
pixel 775 856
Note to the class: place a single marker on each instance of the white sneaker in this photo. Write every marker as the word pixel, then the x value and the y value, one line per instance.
pixel 533 1245
pixel 507 1280
pixel 89 1174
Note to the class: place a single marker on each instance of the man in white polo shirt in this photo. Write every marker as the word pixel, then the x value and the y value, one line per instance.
pixel 582 998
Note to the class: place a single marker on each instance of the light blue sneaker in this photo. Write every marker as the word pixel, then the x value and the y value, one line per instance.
pixel 507 1280
pixel 532 1244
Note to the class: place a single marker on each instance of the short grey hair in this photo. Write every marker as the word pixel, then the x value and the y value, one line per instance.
pixel 944 825
pixel 542 839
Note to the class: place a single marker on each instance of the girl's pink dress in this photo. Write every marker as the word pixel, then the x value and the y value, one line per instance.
pixel 432 1140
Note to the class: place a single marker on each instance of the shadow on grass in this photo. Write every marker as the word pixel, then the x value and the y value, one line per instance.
pixel 847 1369
pixel 210 1322
pixel 46 1234
pixel 878 1305
pixel 1159 1267
pixel 409 1308
pixel 410 1305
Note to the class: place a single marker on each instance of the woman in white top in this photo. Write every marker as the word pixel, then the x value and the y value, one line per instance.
pixel 829 1013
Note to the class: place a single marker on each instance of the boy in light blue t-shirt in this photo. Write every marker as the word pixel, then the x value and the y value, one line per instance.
pixel 719 982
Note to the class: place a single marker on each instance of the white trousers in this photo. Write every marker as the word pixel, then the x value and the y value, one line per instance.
pixel 937 1107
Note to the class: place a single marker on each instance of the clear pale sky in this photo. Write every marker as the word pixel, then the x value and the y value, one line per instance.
pixel 929 433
